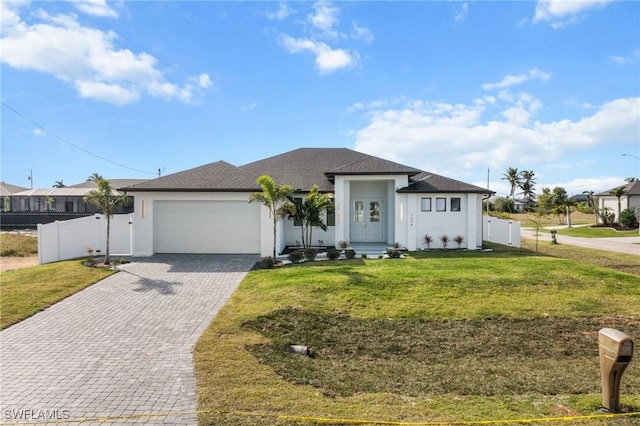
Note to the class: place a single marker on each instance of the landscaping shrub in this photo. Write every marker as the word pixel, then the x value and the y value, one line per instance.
pixel 296 256
pixel 350 254
pixel 394 253
pixel 267 262
pixel 310 253
pixel 628 218
pixel 333 254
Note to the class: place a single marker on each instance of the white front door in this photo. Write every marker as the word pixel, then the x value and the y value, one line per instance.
pixel 366 220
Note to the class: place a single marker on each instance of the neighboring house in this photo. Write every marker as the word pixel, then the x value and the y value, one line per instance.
pixel 206 209
pixel 6 191
pixel 44 205
pixel 630 199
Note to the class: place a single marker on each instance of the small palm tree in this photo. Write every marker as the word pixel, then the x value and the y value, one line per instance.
pixel 459 239
pixel 445 240
pixel 428 240
pixel 59 184
pixel 618 193
pixel 309 212
pixel 275 199
pixel 107 201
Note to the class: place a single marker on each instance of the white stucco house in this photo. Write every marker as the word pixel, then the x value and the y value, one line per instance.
pixel 206 209
pixel 630 200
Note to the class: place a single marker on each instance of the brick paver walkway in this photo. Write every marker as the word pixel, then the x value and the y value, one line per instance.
pixel 122 347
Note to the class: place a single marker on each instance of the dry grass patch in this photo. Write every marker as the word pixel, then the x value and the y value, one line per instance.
pixel 415 340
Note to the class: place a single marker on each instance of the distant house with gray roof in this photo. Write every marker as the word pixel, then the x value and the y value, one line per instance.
pixel 206 209
pixel 630 199
pixel 28 207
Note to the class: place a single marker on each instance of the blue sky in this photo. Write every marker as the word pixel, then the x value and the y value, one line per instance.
pixel 456 88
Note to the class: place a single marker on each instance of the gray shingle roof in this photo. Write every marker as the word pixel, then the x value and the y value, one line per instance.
pixel 429 182
pixel 631 188
pixel 300 168
pixel 218 176
pixel 8 189
pixel 304 167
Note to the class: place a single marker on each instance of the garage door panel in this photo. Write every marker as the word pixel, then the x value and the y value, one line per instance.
pixel 206 227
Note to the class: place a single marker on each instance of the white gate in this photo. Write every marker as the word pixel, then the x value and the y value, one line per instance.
pixel 500 231
pixel 70 239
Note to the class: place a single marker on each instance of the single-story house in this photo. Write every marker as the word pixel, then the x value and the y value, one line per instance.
pixel 28 207
pixel 206 209
pixel 630 199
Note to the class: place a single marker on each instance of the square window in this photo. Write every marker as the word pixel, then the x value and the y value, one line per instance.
pixel 425 204
pixel 455 204
pixel 441 204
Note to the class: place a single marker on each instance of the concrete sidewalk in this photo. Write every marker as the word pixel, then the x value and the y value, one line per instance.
pixel 628 245
pixel 120 349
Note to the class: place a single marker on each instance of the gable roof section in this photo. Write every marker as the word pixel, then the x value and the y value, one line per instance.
pixel 8 189
pixel 115 183
pixel 218 176
pixel 631 188
pixel 300 168
pixel 428 182
pixel 304 167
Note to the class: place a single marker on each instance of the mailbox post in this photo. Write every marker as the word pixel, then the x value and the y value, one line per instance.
pixel 616 352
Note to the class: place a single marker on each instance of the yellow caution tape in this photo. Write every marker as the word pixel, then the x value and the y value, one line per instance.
pixel 335 420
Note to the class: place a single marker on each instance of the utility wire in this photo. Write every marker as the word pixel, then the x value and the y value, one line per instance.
pixel 60 138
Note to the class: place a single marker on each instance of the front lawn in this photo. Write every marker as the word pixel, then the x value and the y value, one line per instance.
pixel 599 232
pixel 439 336
pixel 18 244
pixel 24 292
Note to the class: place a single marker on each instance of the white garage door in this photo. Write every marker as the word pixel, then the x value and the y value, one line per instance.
pixel 206 227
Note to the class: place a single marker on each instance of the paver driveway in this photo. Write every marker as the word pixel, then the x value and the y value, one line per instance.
pixel 122 347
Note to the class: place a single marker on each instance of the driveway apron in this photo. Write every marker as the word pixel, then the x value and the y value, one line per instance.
pixel 119 351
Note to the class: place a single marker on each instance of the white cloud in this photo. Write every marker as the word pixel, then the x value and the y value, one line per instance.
pixel 454 139
pixel 361 33
pixel 95 8
pixel 560 13
pixel 39 132
pixel 327 59
pixel 282 13
pixel 512 80
pixel 461 12
pixel 111 93
pixel 325 17
pixel 88 59
pixel 631 58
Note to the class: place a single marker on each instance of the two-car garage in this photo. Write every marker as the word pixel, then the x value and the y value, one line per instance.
pixel 205 226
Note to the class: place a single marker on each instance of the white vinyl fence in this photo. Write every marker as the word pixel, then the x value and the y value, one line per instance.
pixel 500 231
pixel 69 239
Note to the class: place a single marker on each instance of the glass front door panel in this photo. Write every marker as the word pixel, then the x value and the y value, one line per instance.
pixel 358 212
pixel 374 211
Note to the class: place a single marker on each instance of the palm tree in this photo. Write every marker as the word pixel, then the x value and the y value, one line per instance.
pixel 513 177
pixel 59 184
pixel 528 184
pixel 95 177
pixel 618 193
pixel 275 199
pixel 309 212
pixel 591 203
pixel 107 201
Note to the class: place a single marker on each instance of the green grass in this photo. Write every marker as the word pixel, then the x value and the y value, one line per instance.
pixel 588 232
pixel 439 336
pixel 26 291
pixel 606 259
pixel 18 245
